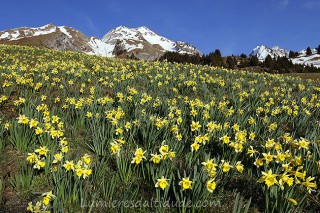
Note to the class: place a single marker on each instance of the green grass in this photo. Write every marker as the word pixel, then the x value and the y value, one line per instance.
pixel 313 76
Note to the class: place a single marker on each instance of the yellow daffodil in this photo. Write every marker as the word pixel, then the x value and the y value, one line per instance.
pixel 226 166
pixel 32 157
pixel 311 186
pixel 86 173
pixel 68 165
pixel 57 158
pixel 239 166
pixel 268 178
pixel 209 165
pixel 162 183
pixel 42 150
pixel 38 131
pixel 293 201
pixel 65 149
pixel 139 156
pixel 164 149
pixel 211 185
pixel 251 151
pixel 225 139
pixel 22 119
pixel 39 164
pixel 195 146
pixel 156 158
pixel 186 183
pixel 33 123
pixel 86 159
pixel 195 126
pixel 79 172
pixel 115 147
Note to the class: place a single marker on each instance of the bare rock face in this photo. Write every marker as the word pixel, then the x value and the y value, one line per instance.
pixel 187 48
pixel 61 42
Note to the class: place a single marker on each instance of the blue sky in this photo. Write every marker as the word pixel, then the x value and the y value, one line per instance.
pixel 234 27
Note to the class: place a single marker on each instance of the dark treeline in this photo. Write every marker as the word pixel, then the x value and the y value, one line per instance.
pixel 212 59
pixel 272 65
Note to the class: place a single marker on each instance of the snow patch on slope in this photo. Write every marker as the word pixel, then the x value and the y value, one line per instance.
pixel 45 32
pixel 100 48
pixel 4 35
pixel 65 31
pixel 25 32
pixel 308 60
pixel 130 47
pixel 153 38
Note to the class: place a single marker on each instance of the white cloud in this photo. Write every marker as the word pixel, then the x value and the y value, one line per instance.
pixel 284 4
pixel 90 24
pixel 309 5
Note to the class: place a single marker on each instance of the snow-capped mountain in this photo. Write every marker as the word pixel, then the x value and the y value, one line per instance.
pixel 144 43
pixel 55 37
pixel 263 51
pixel 140 42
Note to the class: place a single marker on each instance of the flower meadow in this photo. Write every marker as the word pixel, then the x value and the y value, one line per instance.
pixel 81 133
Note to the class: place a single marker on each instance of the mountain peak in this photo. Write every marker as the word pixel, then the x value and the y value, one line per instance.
pixel 48 25
pixel 276 48
pixel 143 28
pixel 121 27
pixel 262 51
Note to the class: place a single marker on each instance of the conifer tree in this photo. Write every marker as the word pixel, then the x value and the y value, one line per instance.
pixel 291 54
pixel 268 62
pixel 309 52
pixel 217 52
pixel 254 61
pixel 243 55
pixel 231 63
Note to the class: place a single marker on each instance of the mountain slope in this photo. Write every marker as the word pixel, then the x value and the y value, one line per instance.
pixel 55 37
pixel 263 51
pixel 313 59
pixel 140 42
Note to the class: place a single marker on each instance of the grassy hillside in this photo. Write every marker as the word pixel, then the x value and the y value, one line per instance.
pixel 81 133
pixel 314 76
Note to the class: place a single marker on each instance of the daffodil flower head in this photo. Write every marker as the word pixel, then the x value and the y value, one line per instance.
pixel 186 183
pixel 86 159
pixel 211 185
pixel 156 158
pixel 162 183
pixel 268 178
